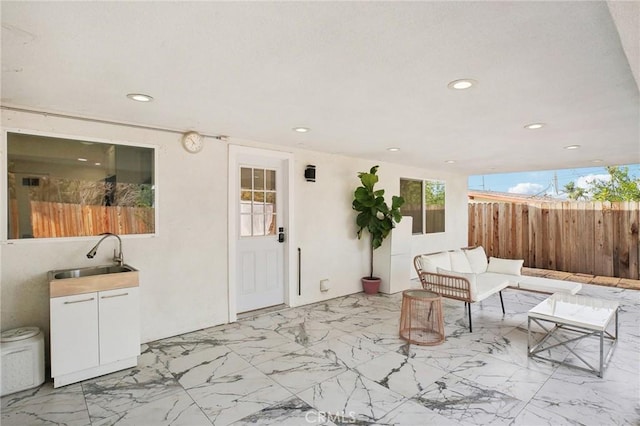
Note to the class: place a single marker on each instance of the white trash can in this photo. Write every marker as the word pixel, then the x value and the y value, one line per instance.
pixel 22 364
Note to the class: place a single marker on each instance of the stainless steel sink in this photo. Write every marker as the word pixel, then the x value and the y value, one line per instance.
pixel 95 270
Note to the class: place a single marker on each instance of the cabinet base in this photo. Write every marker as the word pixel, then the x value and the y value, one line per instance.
pixel 78 376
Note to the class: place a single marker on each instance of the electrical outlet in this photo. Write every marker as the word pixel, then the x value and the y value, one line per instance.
pixel 324 284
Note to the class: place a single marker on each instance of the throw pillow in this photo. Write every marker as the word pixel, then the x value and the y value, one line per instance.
pixel 459 262
pixel 505 266
pixel 431 262
pixel 477 259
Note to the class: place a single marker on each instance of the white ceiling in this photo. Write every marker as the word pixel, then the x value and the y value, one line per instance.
pixel 364 76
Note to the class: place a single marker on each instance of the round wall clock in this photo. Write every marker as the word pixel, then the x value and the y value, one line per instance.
pixel 192 141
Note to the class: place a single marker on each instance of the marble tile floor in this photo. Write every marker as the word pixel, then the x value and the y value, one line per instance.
pixel 341 362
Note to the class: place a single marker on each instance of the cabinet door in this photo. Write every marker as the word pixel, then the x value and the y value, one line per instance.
pixel 74 333
pixel 119 324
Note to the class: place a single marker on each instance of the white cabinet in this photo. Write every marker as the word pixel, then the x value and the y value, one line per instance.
pixel 393 261
pixel 94 334
pixel 119 324
pixel 74 337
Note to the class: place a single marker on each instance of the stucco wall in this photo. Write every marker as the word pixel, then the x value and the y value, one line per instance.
pixel 183 269
pixel 325 222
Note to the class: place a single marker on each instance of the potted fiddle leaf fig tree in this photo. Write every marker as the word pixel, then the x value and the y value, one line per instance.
pixel 375 216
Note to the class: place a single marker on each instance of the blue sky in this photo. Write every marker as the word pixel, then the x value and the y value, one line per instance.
pixel 541 182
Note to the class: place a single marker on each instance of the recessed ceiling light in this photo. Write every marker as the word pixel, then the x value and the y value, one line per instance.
pixel 450 161
pixel 462 84
pixel 301 129
pixel 572 147
pixel 597 161
pixel 139 97
pixel 97 164
pixel 393 149
pixel 534 126
pixel 82 159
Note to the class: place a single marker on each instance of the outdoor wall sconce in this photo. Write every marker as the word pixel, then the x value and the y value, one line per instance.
pixel 310 173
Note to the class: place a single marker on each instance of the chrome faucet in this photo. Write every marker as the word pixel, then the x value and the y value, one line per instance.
pixel 118 258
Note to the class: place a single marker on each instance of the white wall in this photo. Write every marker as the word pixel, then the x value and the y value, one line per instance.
pixel 183 270
pixel 325 222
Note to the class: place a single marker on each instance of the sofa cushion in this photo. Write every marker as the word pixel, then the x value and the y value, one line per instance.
pixel 505 266
pixel 490 283
pixel 471 277
pixel 459 262
pixel 431 262
pixel 547 285
pixel 477 259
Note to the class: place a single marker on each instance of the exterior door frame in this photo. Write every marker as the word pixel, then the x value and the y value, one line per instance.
pixel 236 154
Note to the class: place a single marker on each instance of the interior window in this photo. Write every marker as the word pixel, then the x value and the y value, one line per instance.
pixel 61 187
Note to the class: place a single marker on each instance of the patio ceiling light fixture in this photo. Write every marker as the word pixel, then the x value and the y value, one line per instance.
pixel 534 126
pixel 572 147
pixel 393 149
pixel 139 97
pixel 462 84
pixel 450 161
pixel 301 129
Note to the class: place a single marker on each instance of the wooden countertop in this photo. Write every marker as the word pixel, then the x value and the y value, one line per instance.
pixel 90 284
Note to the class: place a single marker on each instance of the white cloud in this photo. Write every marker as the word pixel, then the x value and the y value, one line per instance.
pixel 585 181
pixel 527 188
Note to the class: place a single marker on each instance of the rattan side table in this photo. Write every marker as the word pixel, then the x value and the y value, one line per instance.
pixel 421 319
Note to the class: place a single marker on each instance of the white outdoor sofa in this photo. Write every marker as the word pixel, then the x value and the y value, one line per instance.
pixel 468 275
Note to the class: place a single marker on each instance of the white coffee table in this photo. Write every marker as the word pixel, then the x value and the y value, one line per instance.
pixel 586 316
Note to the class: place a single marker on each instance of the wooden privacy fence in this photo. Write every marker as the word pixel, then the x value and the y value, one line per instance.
pixel 598 238
pixel 74 220
pixel 434 219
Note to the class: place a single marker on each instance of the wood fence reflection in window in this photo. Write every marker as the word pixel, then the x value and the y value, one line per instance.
pixel 61 187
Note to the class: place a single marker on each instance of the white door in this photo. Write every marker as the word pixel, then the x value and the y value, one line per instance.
pixel 259 226
pixel 74 333
pixel 119 324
